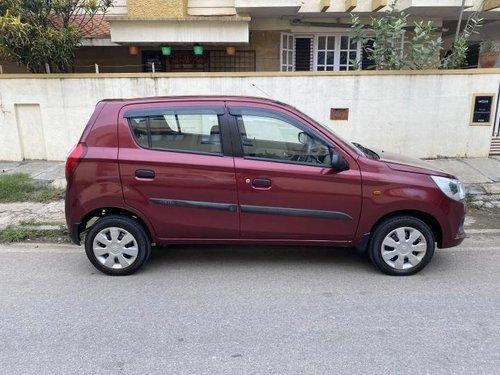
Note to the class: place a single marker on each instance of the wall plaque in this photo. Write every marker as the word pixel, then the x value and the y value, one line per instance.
pixel 482 109
pixel 339 114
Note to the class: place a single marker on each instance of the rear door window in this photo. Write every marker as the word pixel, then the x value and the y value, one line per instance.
pixel 184 129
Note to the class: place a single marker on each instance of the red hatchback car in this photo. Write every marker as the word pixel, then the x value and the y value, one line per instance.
pixel 246 170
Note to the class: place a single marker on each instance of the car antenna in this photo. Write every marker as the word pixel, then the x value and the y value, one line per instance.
pixel 258 88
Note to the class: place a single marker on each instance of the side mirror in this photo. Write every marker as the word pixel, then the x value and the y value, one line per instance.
pixel 338 162
pixel 303 138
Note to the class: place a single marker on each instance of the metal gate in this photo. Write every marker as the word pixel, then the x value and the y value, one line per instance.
pixel 495 135
pixel 496 119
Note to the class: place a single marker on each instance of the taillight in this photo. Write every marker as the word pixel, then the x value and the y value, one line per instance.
pixel 73 159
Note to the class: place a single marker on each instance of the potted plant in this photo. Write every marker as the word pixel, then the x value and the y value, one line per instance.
pixel 489 50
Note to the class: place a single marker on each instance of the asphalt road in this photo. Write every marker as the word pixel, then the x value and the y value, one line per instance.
pixel 250 310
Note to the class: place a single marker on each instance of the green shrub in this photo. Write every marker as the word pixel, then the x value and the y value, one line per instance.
pixel 20 187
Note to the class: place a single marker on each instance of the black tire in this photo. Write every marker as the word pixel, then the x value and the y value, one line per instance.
pixel 409 255
pixel 123 258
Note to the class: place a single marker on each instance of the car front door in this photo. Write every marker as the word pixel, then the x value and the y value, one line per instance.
pixel 286 186
pixel 177 169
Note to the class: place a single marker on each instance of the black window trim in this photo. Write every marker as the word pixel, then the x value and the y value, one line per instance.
pixel 284 161
pixel 218 110
pixel 148 129
pixel 179 151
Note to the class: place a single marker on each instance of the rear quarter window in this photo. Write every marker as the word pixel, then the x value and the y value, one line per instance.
pixel 140 130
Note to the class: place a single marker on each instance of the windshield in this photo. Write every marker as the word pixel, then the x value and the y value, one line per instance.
pixel 367 152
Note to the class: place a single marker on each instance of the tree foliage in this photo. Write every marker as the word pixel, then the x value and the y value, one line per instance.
pixel 457 58
pixel 392 44
pixel 36 33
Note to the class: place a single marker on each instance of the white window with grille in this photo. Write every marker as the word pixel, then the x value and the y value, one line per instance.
pixel 287 57
pixel 319 52
pixel 325 52
pixel 349 53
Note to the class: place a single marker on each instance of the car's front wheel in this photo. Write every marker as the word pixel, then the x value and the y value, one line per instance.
pixel 117 245
pixel 401 245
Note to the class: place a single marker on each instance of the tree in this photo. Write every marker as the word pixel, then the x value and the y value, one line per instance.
pixel 40 33
pixel 388 46
pixel 457 58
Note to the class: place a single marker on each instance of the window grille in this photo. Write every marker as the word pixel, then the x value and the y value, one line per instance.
pixel 241 61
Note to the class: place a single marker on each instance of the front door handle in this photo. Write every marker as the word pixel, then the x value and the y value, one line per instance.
pixel 145 173
pixel 261 182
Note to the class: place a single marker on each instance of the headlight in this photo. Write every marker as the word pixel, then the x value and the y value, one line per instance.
pixel 450 187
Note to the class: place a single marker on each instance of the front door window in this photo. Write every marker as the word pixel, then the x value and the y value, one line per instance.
pixel 266 137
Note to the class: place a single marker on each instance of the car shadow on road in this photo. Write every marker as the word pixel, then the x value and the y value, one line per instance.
pixel 251 255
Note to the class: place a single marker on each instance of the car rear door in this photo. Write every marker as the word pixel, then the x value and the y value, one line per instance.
pixel 287 189
pixel 177 169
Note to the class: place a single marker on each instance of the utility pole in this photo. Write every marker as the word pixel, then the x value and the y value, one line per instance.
pixel 457 32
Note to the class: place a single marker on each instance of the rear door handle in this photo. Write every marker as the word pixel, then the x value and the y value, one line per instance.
pixel 145 173
pixel 261 182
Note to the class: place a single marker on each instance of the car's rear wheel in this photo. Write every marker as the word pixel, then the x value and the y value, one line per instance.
pixel 402 245
pixel 117 245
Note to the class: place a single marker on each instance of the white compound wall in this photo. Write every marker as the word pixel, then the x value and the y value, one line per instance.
pixel 421 114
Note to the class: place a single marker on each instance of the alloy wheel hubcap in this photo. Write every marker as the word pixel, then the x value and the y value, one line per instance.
pixel 403 248
pixel 115 248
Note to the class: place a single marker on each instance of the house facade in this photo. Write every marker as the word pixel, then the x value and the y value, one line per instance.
pixel 253 35
pixel 260 35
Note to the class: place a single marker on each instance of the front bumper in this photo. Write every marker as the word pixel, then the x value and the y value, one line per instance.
pixel 457 234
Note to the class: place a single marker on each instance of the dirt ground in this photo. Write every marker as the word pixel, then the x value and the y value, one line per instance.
pixel 482 219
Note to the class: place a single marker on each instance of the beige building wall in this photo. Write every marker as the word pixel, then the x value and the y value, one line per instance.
pixel 157 8
pixel 211 8
pixel 267 50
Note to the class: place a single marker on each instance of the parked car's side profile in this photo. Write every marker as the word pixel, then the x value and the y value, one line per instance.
pixel 248 170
